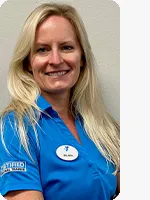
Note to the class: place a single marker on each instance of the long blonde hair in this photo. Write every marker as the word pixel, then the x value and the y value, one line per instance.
pixel 86 98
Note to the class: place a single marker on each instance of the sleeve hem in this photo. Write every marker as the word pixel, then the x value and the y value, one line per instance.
pixel 19 186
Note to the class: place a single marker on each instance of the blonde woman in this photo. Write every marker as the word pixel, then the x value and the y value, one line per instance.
pixel 57 141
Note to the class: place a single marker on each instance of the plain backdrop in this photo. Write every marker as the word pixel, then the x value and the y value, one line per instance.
pixel 102 22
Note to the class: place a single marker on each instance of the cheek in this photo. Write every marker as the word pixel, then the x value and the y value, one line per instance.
pixel 74 61
pixel 35 72
pixel 35 76
pixel 79 60
pixel 36 67
pixel 37 62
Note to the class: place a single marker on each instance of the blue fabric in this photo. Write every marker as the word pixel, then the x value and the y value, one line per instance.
pixel 87 177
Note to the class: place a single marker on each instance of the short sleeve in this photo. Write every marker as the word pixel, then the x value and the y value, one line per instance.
pixel 17 170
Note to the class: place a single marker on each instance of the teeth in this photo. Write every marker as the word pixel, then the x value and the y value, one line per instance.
pixel 56 73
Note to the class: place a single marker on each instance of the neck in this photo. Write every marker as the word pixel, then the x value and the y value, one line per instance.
pixel 60 103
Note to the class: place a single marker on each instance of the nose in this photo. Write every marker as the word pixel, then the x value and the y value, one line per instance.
pixel 55 58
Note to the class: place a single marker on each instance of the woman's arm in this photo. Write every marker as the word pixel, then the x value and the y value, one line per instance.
pixel 25 180
pixel 24 195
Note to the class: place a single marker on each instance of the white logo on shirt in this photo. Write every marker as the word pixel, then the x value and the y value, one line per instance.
pixel 13 166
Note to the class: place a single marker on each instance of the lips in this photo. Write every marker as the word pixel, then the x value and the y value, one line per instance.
pixel 57 73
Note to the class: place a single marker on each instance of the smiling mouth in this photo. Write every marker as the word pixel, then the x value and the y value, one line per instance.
pixel 60 73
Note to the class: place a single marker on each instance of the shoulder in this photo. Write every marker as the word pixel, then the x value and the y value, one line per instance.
pixel 13 132
pixel 7 122
pixel 12 121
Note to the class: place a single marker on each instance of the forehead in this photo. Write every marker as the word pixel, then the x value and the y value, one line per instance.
pixel 55 28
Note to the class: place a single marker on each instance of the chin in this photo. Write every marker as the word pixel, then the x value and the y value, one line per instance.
pixel 59 90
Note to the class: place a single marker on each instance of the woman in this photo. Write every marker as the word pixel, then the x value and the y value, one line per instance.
pixel 57 141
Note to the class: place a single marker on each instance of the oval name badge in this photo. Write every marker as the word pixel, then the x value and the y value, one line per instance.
pixel 67 152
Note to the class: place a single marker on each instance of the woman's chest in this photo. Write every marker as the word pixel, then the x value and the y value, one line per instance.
pixel 85 173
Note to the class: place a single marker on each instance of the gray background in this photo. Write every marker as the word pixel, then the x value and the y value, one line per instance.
pixel 102 21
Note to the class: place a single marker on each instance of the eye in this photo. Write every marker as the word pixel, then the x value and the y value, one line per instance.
pixel 67 48
pixel 42 50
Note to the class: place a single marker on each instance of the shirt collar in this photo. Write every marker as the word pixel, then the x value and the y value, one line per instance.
pixel 42 103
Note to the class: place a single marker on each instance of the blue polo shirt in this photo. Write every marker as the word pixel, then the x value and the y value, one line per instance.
pixel 88 176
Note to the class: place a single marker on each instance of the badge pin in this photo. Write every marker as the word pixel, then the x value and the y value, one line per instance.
pixel 67 152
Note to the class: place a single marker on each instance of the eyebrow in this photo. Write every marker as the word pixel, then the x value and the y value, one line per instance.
pixel 63 43
pixel 41 44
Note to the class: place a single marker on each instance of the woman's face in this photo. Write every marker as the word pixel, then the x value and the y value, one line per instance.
pixel 56 60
